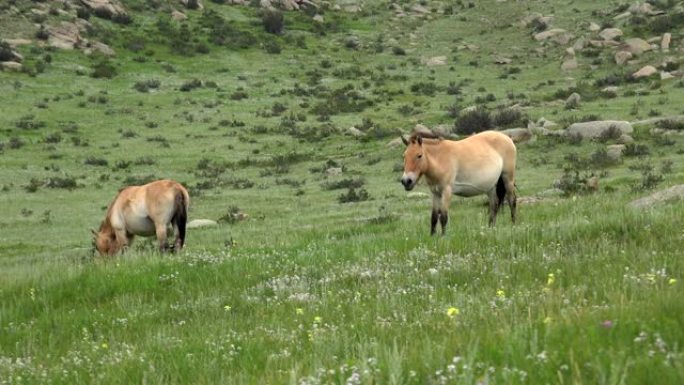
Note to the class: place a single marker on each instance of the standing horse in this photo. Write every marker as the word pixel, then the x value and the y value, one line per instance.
pixel 144 210
pixel 480 164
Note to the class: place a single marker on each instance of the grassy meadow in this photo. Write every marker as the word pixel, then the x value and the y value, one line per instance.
pixel 333 278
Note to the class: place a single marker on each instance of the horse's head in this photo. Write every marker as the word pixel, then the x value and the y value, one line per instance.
pixel 415 163
pixel 104 242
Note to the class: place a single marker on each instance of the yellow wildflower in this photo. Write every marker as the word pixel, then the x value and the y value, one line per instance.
pixel 299 311
pixel 500 293
pixel 550 279
pixel 453 312
pixel 317 319
pixel 672 281
pixel 227 308
pixel 547 320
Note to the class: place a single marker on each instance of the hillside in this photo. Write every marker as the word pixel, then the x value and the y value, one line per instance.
pixel 282 118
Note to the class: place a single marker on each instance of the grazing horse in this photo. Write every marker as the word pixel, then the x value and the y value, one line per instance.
pixel 480 164
pixel 144 210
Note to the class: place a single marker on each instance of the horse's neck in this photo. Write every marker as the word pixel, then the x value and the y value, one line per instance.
pixel 436 164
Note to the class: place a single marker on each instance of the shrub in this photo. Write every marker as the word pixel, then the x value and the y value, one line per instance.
pixel 424 88
pixel 352 195
pixel 272 47
pixel 273 21
pixel 670 124
pixel 103 69
pixel 66 182
pixel 634 149
pixel 95 161
pixel 612 133
pixel 191 85
pixel 473 121
pixel 6 53
pixel 509 117
pixel 349 183
pixel 146 85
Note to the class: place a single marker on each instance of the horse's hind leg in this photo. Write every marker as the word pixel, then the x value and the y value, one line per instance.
pixel 160 230
pixel 511 197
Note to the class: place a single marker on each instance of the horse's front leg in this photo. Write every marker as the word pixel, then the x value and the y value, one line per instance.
pixel 445 201
pixel 121 241
pixel 436 206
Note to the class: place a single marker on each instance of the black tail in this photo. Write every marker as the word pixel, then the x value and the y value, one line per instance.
pixel 180 218
pixel 500 191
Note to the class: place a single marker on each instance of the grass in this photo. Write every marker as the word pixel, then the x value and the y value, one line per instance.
pixel 308 290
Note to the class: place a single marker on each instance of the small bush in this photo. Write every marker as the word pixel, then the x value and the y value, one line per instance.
pixel 353 195
pixel 635 149
pixel 95 161
pixel 349 183
pixel 509 117
pixel 103 69
pixel 273 21
pixel 146 85
pixel 670 124
pixel 473 121
pixel 66 182
pixel 6 53
pixel 190 85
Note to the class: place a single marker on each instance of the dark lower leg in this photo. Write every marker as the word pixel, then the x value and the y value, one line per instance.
pixel 443 219
pixel 433 222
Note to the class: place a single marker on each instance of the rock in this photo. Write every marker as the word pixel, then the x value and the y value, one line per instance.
pixel 318 18
pixel 645 72
pixel 178 15
pixel 592 130
pixel 502 60
pixel 624 15
pixel 624 139
pixel 17 42
pixel 569 64
pixel 610 91
pixel 557 35
pixel 639 8
pixel 674 193
pixel 573 101
pixel 200 223
pixel 603 43
pixel 396 142
pixel 417 8
pixel 570 52
pixel 621 57
pixel 635 46
pixel 333 171
pixel 592 183
pixel 105 7
pixel 355 132
pixel 11 66
pixel 65 36
pixel 666 76
pixel 610 33
pixel 579 44
pixel 98 47
pixel 436 61
pixel 593 27
pixel 519 135
pixel 614 152
pixel 665 42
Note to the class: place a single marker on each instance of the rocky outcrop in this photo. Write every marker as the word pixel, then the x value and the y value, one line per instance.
pixel 519 135
pixel 105 8
pixel 674 193
pixel 596 129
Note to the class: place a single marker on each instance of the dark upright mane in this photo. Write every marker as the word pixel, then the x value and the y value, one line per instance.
pixel 424 135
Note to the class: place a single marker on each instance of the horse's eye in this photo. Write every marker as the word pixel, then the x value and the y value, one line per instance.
pixel 420 156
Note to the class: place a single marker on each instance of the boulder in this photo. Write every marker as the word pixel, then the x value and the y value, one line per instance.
pixel 665 42
pixel 333 171
pixel 640 8
pixel 192 4
pixel 65 36
pixel 108 7
pixel 595 129
pixel 97 47
pixel 614 152
pixel 502 60
pixel 11 66
pixel 666 76
pixel 610 33
pixel 200 223
pixel 557 35
pixel 674 193
pixel 621 57
pixel 519 135
pixel 573 101
pixel 624 139
pixel 593 27
pixel 635 46
pixel 645 72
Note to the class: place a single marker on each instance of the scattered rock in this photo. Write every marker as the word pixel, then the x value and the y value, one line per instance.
pixel 610 91
pixel 502 60
pixel 333 171
pixel 436 61
pixel 355 132
pixel 178 15
pixel 674 193
pixel 573 101
pixel 645 72
pixel 17 42
pixel 519 135
pixel 592 183
pixel 594 129
pixel 666 76
pixel 64 36
pixel 200 223
pixel 621 57
pixel 624 139
pixel 98 47
pixel 610 33
pixel 396 142
pixel 318 18
pixel 593 27
pixel 569 64
pixel 640 8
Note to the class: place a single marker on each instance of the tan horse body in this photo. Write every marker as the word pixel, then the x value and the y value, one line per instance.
pixel 480 164
pixel 144 210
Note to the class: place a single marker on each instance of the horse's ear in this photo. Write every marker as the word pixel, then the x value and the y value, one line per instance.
pixel 403 139
pixel 94 232
pixel 419 139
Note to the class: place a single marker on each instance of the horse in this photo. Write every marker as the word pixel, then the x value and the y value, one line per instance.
pixel 483 163
pixel 144 210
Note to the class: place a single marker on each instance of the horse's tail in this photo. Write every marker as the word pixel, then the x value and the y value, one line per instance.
pixel 180 218
pixel 501 190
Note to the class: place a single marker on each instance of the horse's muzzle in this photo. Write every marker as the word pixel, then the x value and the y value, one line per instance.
pixel 408 183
